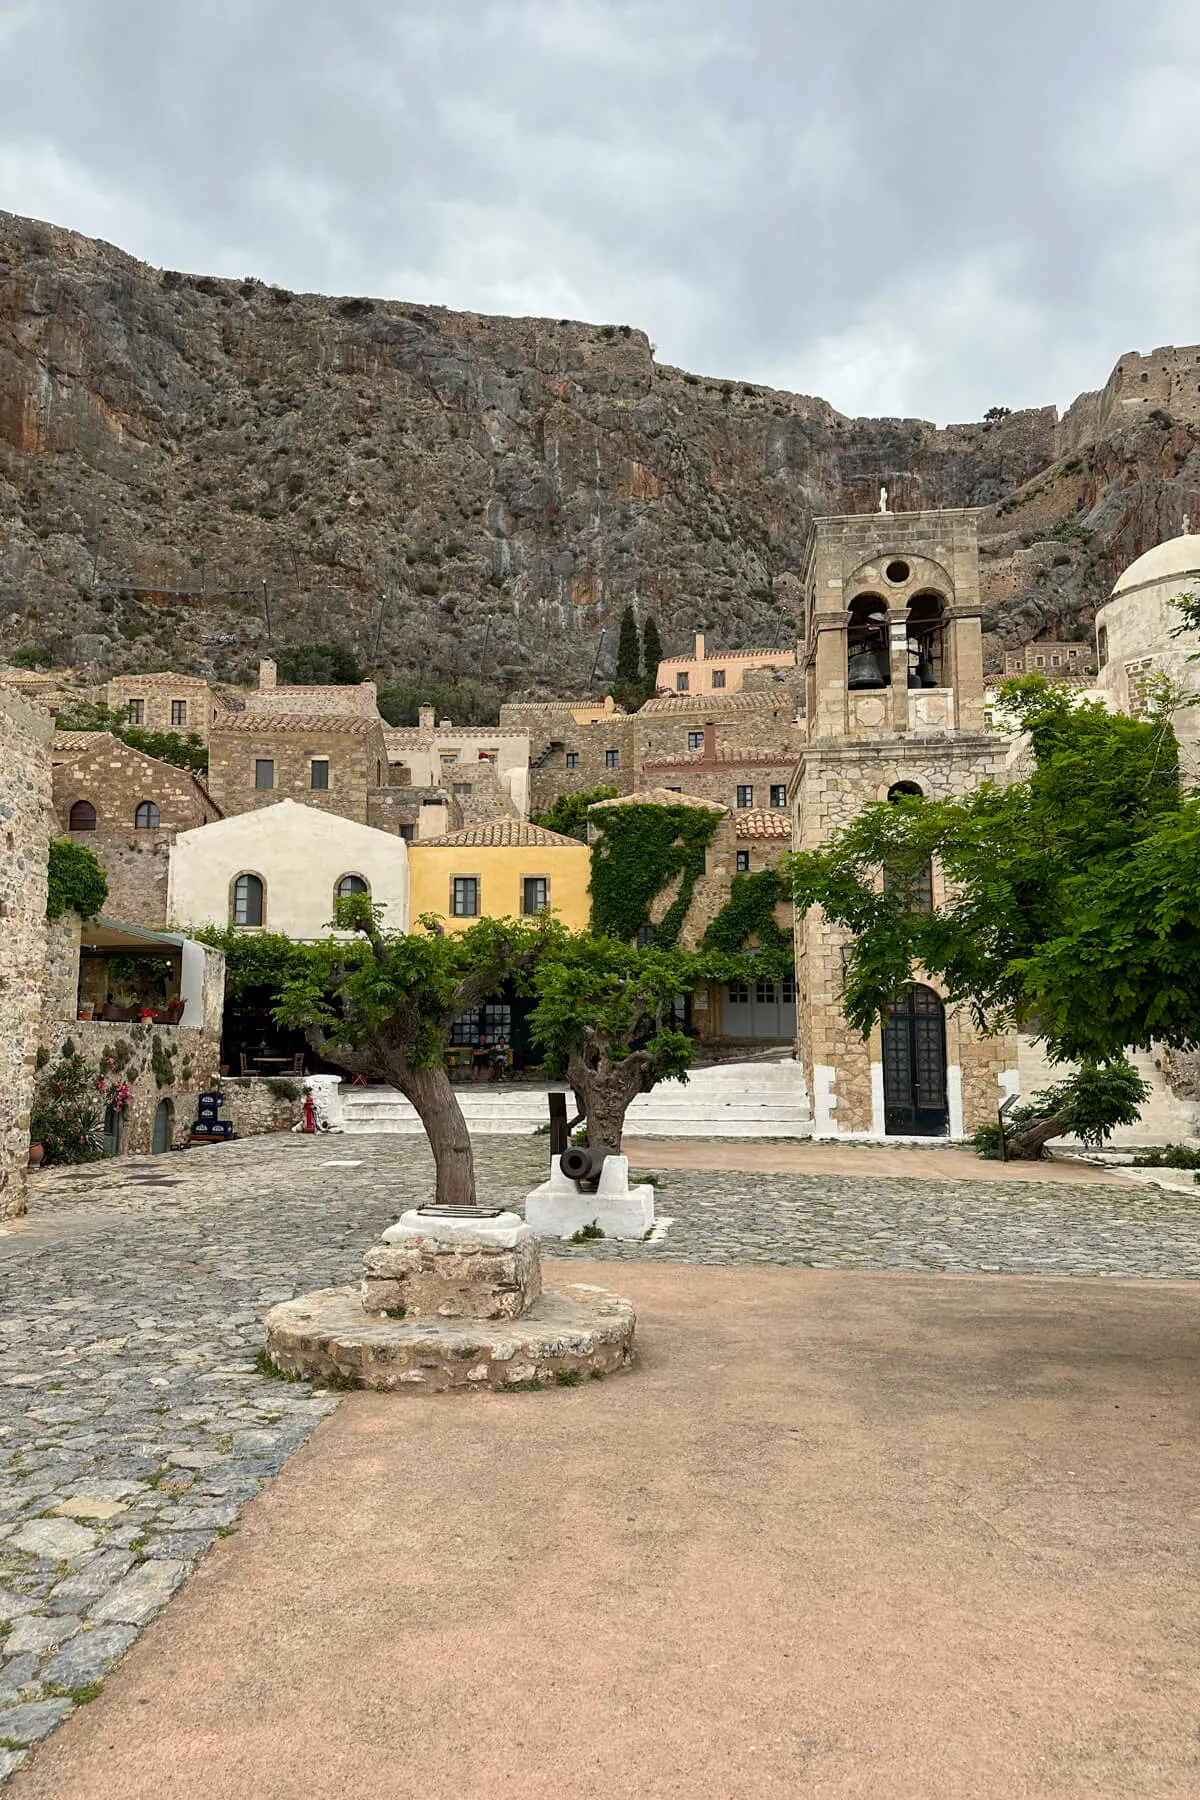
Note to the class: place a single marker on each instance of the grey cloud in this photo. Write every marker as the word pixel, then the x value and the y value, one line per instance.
pixel 910 208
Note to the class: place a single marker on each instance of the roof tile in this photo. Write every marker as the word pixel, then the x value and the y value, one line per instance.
pixel 501 834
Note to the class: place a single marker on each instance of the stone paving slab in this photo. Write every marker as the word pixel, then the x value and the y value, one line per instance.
pixel 131 1308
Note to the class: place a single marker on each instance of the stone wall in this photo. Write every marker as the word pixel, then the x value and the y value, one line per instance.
pixel 590 743
pixel 26 822
pixel 161 697
pixel 390 808
pixel 352 746
pixel 258 1104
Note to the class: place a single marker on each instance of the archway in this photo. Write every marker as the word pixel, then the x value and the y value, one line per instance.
pixel 164 1118
pixel 926 641
pixel 914 1066
pixel 868 659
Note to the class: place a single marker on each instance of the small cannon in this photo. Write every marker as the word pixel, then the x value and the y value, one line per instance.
pixel 583 1163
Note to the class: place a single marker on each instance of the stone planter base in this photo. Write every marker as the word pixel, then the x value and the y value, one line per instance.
pixel 563 1336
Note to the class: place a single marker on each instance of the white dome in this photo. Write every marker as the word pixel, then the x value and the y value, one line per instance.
pixel 1176 560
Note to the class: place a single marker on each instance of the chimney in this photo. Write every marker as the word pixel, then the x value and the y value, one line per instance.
pixel 710 742
pixel 698 645
pixel 425 717
pixel 266 674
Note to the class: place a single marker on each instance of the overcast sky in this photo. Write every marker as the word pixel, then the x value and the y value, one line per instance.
pixel 908 206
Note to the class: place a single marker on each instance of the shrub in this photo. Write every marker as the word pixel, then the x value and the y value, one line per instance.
pixel 77 882
pixel 30 656
pixel 67 1111
pixel 1172 1156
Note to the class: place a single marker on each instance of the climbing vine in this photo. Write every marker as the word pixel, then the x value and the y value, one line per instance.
pixel 639 851
pixel 750 912
pixel 77 881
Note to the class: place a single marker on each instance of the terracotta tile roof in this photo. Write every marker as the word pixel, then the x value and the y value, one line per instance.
pixel 759 823
pixel 720 702
pixel 742 754
pixel 786 657
pixel 501 834
pixel 659 797
pixel 411 736
pixel 159 680
pixel 263 723
pixel 64 741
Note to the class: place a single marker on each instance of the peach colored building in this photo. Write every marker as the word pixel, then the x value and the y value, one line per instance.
pixel 717 671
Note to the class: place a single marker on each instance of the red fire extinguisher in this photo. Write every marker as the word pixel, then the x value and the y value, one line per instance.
pixel 310 1114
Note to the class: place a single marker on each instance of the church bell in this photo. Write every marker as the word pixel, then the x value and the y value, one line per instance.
pixel 863 671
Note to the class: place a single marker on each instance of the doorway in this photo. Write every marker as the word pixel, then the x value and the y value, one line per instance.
pixel 163 1121
pixel 914 1066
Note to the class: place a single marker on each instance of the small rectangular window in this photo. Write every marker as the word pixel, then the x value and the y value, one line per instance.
pixel 738 993
pixel 612 759
pixel 718 678
pixel 674 790
pixel 535 894
pixel 745 796
pixel 695 740
pixel 447 756
pixel 743 862
pixel 572 759
pixel 764 993
pixel 264 773
pixel 1040 661
pixel 179 712
pixel 406 832
pixel 137 711
pixel 464 897
pixel 681 682
pixel 460 787
pixel 320 772
pixel 779 795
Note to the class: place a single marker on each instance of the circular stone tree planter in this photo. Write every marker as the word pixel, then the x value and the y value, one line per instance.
pixel 453 1301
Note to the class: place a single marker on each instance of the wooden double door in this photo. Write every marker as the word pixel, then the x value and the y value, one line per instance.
pixel 914 1066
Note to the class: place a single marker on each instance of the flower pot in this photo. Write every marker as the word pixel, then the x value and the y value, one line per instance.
pixel 85 1012
pixel 36 1153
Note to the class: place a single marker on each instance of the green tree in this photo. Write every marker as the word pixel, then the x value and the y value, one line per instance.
pixel 77 882
pixel 30 656
pixel 568 815
pixel 651 655
pixel 627 683
pixel 318 665
pixel 1072 905
pixel 605 1018
pixel 383 1007
pixel 185 750
pixel 466 702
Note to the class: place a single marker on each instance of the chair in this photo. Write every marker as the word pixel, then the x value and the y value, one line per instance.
pixel 244 1063
pixel 298 1063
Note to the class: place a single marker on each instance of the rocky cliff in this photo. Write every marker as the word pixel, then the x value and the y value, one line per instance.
pixel 191 469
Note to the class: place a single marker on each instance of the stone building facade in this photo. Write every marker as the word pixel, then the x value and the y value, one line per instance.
pixel 743 777
pixel 166 702
pixel 329 760
pixel 485 767
pixel 128 809
pixel 894 684
pixel 26 823
pixel 718 671
pixel 1052 657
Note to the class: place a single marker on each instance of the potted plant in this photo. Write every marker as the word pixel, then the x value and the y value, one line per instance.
pixel 86 1009
pixel 36 1153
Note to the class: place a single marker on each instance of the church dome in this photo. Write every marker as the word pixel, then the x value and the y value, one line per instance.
pixel 1176 560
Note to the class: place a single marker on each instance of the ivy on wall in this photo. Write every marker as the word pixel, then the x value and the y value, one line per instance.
pixel 77 881
pixel 750 912
pixel 639 850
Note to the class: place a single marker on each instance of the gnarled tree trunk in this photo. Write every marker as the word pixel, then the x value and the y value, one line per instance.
pixel 432 1093
pixel 1028 1141
pixel 606 1089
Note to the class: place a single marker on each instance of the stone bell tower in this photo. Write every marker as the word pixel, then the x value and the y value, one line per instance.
pixel 894 687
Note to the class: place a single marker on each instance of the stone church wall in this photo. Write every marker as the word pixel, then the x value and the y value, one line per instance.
pixel 26 822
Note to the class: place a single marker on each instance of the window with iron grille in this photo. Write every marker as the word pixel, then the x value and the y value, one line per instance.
pixel 179 712
pixel 718 678
pixel 695 740
pixel 137 712
pixel 572 759
pixel 493 1021
pixel 745 796
pixel 264 772
pixel 464 897
pixel 535 893
pixel 612 759
pixel 779 795
pixel 319 777
pixel 743 862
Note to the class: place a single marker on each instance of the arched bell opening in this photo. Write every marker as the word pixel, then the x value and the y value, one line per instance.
pixel 927 641
pixel 868 660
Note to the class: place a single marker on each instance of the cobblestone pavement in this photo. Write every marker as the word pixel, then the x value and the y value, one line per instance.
pixel 134 1424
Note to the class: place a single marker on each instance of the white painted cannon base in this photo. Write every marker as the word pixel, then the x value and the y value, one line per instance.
pixel 558 1209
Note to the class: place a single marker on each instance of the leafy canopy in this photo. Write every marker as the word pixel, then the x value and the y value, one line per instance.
pixel 318 665
pixel 1073 897
pixel 185 749
pixel 77 882
pixel 594 991
pixel 569 812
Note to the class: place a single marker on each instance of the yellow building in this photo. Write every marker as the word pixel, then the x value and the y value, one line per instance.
pixel 502 869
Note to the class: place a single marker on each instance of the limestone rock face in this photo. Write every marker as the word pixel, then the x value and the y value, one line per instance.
pixel 181 457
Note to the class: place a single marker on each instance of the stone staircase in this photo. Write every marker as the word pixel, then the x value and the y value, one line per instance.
pixel 760 1099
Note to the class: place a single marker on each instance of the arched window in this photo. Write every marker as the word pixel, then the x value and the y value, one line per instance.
pixel 1102 645
pixel 82 816
pixel 351 884
pixel 868 659
pixel 146 817
pixel 904 790
pixel 248 900
pixel 926 619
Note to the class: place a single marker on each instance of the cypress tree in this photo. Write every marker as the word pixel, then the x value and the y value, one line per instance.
pixel 627 684
pixel 651 656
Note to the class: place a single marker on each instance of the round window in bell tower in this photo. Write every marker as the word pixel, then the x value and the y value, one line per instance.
pixel 897 572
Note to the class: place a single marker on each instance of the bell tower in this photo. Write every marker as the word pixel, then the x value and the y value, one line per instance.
pixel 893 665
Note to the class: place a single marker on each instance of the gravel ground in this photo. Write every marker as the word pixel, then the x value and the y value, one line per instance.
pixel 134 1424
